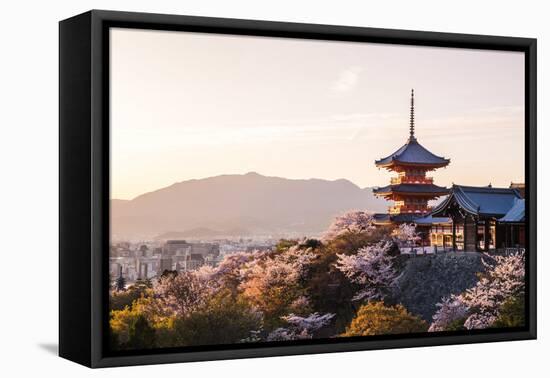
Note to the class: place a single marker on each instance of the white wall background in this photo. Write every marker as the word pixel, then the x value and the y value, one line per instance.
pixel 29 185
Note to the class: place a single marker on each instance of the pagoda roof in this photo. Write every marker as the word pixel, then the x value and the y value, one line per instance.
pixel 385 218
pixel 516 214
pixel 430 219
pixel 402 218
pixel 413 153
pixel 415 189
pixel 483 201
pixel 381 218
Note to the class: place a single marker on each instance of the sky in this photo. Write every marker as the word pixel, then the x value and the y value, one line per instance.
pixel 191 105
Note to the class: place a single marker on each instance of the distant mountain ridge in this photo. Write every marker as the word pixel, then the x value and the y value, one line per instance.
pixel 224 205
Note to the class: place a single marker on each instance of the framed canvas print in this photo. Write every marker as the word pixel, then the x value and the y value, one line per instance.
pixel 234 188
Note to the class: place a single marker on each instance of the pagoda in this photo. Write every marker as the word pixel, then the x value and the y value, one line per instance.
pixel 411 189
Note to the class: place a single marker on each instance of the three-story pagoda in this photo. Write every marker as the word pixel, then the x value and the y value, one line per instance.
pixel 411 189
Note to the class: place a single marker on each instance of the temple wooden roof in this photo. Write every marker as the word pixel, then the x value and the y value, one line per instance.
pixel 429 220
pixel 384 218
pixel 411 189
pixel 412 153
pixel 484 201
pixel 516 214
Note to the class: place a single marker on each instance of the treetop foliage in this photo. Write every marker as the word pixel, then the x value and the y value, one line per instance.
pixel 375 318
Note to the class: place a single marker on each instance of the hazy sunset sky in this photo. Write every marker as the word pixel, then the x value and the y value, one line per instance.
pixel 188 106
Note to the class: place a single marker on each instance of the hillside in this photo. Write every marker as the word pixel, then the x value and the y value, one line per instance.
pixel 427 279
pixel 256 204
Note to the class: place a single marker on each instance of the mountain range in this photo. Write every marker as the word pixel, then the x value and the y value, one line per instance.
pixel 238 205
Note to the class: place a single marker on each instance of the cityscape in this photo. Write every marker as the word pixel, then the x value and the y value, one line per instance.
pixel 147 260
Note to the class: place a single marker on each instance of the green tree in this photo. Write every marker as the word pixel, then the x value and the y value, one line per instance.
pixel 224 319
pixel 327 287
pixel 121 299
pixel 375 318
pixel 456 325
pixel 168 273
pixel 311 243
pixel 329 291
pixel 130 329
pixel 512 313
pixel 120 283
pixel 285 244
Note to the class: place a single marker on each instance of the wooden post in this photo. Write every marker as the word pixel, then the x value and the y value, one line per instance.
pixel 486 235
pixel 464 235
pixel 506 236
pixel 476 241
pixel 454 236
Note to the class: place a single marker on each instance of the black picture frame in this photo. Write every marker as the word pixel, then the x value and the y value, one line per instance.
pixel 84 184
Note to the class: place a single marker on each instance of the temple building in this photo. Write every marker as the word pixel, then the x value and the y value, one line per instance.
pixel 481 219
pixel 469 218
pixel 411 189
pixel 514 225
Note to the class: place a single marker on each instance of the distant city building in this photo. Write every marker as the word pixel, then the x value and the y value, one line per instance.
pixel 179 247
pixel 191 262
pixel 185 256
pixel 143 251
pixel 147 260
pixel 165 264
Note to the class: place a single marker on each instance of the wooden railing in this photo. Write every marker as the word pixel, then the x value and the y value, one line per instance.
pixel 411 180
pixel 510 250
pixel 409 209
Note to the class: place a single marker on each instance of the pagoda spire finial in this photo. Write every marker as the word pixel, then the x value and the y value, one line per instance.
pixel 412 115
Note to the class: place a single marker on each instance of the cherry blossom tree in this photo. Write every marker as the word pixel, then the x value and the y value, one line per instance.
pixel 406 235
pixel 300 327
pixel 281 334
pixel 182 293
pixel 299 304
pixel 231 271
pixel 274 283
pixel 233 264
pixel 372 268
pixel 450 310
pixel 350 222
pixel 284 269
pixel 206 273
pixel 480 305
pixel 504 279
